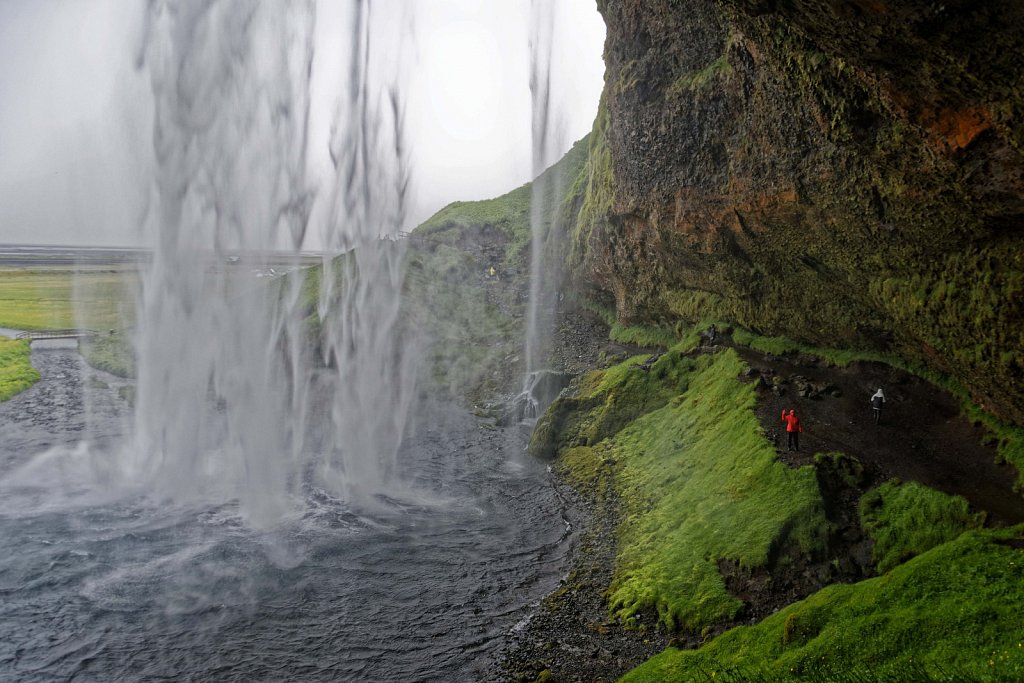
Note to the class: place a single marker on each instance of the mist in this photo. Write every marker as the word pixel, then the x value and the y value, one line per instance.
pixel 76 112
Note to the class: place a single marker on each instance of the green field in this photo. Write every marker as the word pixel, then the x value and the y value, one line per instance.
pixel 62 297
pixel 58 297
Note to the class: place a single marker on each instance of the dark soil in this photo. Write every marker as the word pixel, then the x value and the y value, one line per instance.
pixel 921 437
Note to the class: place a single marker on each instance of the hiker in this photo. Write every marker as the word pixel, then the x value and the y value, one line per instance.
pixel 877 401
pixel 709 335
pixel 793 429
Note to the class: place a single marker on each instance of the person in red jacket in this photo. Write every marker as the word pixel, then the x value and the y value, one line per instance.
pixel 793 429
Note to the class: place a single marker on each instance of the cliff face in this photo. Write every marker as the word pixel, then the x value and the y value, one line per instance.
pixel 845 173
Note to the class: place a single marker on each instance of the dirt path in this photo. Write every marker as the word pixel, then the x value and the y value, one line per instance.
pixel 921 435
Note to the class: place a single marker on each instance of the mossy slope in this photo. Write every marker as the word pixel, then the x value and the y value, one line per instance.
pixel 951 613
pixel 908 519
pixel 698 482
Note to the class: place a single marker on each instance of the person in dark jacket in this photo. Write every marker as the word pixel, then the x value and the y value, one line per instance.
pixel 877 401
pixel 793 429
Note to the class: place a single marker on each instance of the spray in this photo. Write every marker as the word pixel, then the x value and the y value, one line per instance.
pixel 230 404
pixel 546 135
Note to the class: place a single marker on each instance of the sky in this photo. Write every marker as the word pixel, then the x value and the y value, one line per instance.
pixel 76 115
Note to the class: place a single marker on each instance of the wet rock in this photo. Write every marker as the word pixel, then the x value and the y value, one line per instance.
pixel 542 388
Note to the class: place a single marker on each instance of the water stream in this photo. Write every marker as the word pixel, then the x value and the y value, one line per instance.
pixel 98 586
pixel 264 503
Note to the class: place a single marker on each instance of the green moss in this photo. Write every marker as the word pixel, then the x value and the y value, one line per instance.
pixel 594 187
pixel 110 352
pixel 627 395
pixel 719 68
pixel 605 401
pixel 905 520
pixel 951 613
pixel 698 481
pixel 584 466
pixel 16 371
pixel 643 335
pixel 509 214
pixel 651 336
pixel 701 484
pixel 693 305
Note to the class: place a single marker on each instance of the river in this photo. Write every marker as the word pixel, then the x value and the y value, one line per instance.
pixel 101 585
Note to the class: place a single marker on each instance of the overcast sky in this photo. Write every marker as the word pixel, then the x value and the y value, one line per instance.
pixel 76 114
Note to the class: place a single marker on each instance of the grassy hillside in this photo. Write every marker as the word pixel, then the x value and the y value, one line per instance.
pixel 704 500
pixel 951 613
pixel 698 481
pixel 16 371
pixel 466 282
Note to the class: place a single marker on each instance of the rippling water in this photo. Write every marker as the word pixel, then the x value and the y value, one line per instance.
pixel 102 587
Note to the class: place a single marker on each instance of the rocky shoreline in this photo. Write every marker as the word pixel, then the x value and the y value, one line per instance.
pixel 571 637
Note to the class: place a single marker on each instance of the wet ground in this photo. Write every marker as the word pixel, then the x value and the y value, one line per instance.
pixel 921 435
pixel 102 582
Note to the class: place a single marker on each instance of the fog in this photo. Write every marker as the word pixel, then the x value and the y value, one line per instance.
pixel 76 112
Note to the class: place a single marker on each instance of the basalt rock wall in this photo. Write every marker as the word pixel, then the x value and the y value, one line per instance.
pixel 843 172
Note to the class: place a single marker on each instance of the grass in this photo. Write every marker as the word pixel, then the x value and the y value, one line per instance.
pixel 702 484
pixel 905 520
pixel 648 336
pixel 65 297
pixel 56 298
pixel 698 481
pixel 110 352
pixel 16 371
pixel 951 613
pixel 510 213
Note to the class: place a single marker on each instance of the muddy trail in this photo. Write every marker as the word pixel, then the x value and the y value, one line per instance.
pixel 921 435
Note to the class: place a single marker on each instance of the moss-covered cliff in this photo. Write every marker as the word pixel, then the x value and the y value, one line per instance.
pixel 846 174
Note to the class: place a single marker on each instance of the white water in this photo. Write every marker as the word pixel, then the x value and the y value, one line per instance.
pixel 226 388
pixel 257 559
pixel 547 127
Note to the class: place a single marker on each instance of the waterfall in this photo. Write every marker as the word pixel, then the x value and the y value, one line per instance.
pixel 228 391
pixel 546 190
